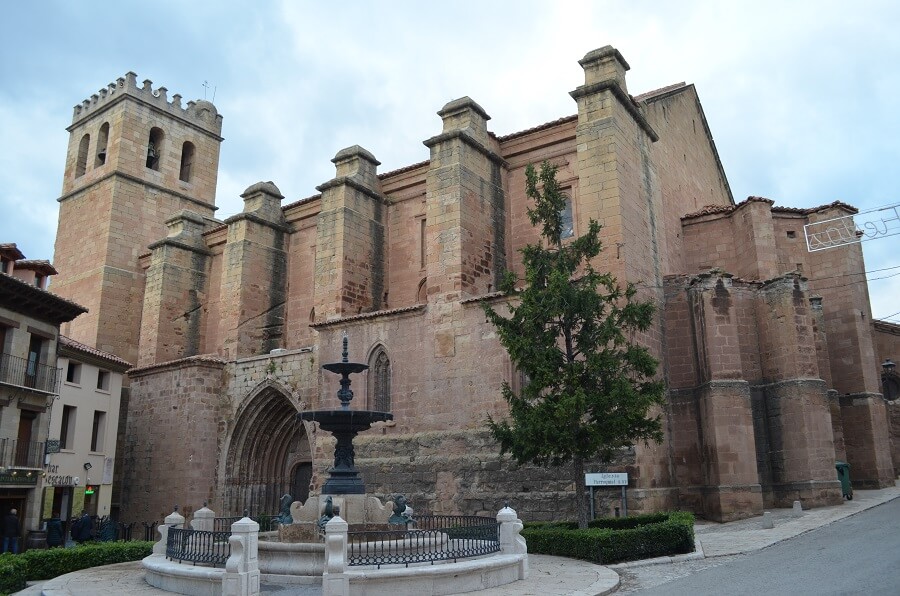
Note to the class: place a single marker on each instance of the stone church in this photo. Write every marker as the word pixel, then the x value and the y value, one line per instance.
pixel 771 366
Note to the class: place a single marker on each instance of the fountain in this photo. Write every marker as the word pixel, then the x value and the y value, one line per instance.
pixel 438 556
pixel 344 424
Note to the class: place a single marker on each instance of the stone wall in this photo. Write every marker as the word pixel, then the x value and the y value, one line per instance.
pixel 401 261
pixel 111 214
pixel 173 437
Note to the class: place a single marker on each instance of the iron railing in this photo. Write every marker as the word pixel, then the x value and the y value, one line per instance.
pixel 23 373
pixel 21 454
pixel 266 523
pixel 198 546
pixel 432 538
pixel 107 529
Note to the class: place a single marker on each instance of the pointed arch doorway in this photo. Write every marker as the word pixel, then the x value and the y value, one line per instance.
pixel 268 455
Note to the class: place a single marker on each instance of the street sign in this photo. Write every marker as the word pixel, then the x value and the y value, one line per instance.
pixel 606 479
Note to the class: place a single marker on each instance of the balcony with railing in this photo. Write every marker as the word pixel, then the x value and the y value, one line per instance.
pixel 21 372
pixel 21 454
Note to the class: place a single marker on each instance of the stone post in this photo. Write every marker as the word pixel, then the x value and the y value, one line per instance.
pixel 242 567
pixel 334 581
pixel 173 520
pixel 614 168
pixel 465 206
pixel 254 273
pixel 171 323
pixel 203 519
pixel 350 238
pixel 730 479
pixel 511 541
pixel 797 415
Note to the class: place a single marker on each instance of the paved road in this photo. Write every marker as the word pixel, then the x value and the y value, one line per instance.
pixel 857 555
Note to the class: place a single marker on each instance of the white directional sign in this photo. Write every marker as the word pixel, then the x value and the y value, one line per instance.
pixel 606 479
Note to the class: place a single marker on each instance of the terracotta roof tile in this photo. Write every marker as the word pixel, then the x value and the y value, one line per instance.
pixel 202 359
pixel 368 315
pixel 403 169
pixel 39 265
pixel 86 349
pixel 300 202
pixel 25 297
pixel 539 127
pixel 11 250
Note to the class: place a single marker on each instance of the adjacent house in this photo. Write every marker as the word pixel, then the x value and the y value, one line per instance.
pixel 83 430
pixel 30 318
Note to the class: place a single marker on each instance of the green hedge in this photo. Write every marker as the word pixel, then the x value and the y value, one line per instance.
pixel 37 564
pixel 672 534
pixel 613 523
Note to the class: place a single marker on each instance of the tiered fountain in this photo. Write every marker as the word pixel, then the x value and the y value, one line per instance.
pixel 344 424
pixel 344 487
pixel 416 561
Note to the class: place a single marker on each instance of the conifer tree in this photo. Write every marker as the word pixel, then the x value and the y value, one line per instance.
pixel 588 387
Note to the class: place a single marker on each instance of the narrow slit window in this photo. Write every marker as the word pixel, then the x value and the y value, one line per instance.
pixel 67 428
pixel 187 161
pixel 423 249
pixel 98 430
pixel 568 221
pixel 103 380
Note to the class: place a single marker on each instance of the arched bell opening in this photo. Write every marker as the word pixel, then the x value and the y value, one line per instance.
pixel 266 445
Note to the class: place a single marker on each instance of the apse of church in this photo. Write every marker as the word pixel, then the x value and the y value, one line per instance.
pixel 237 315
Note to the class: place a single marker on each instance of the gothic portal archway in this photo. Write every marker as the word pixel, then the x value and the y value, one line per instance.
pixel 266 446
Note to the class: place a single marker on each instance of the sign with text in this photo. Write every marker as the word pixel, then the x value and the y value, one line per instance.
pixel 853 229
pixel 606 479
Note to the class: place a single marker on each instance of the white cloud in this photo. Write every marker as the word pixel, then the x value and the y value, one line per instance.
pixel 799 95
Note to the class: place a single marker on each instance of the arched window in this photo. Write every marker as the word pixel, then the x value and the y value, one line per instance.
pixel 102 141
pixel 379 380
pixel 187 161
pixel 81 163
pixel 154 148
pixel 421 292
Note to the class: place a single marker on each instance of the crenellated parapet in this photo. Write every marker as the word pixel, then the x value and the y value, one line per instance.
pixel 200 113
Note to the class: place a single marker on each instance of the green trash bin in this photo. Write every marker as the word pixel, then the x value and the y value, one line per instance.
pixel 843 472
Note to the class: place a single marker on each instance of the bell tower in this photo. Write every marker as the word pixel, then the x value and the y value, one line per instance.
pixel 135 158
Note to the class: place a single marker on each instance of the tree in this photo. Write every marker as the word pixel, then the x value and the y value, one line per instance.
pixel 588 386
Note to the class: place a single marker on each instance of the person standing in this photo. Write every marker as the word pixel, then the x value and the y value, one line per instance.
pixel 83 530
pixel 55 535
pixel 11 532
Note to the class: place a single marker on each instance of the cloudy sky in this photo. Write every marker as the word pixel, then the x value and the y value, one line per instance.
pixel 800 96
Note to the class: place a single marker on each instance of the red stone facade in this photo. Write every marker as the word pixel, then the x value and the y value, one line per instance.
pixel 771 365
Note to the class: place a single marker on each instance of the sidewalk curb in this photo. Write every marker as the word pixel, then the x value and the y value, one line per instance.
pixel 697 554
